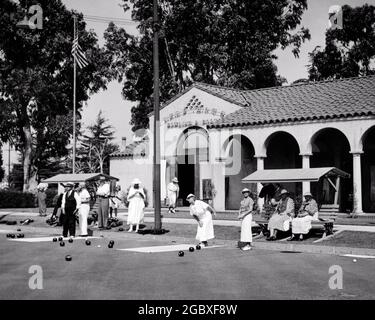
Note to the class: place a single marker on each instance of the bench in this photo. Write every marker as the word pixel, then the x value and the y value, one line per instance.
pixel 326 220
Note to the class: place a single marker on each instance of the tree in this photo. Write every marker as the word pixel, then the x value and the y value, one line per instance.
pixel 350 51
pixel 225 42
pixel 36 83
pixel 95 147
pixel 1 164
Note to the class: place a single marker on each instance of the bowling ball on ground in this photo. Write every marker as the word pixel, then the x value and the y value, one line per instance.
pixel 8 235
pixel 62 243
pixel 181 253
pixel 60 238
pixel 68 258
pixel 19 235
pixel 120 229
pixel 70 240
pixel 18 229
pixel 88 242
pixel 110 245
pixel 191 249
pixel 12 236
pixel 112 242
pixel 54 239
pixel 198 247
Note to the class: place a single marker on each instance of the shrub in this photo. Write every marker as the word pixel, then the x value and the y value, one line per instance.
pixel 16 199
pixel 51 197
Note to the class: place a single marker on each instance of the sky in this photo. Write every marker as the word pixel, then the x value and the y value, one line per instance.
pixel 117 110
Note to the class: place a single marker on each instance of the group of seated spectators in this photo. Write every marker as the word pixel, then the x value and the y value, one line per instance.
pixel 284 215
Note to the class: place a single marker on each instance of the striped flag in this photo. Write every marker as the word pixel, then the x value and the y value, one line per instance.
pixel 78 54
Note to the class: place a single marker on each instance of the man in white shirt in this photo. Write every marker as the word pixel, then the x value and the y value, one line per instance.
pixel 103 194
pixel 70 205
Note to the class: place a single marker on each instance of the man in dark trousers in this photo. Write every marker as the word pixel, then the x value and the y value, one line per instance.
pixel 70 205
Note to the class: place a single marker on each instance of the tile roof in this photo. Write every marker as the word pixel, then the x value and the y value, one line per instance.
pixel 135 149
pixel 342 98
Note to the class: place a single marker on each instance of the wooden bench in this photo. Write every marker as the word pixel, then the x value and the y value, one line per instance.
pixel 326 220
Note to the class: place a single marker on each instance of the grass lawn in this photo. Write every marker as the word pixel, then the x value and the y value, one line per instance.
pixel 356 239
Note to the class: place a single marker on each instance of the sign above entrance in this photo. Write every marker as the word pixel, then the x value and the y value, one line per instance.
pixel 194 106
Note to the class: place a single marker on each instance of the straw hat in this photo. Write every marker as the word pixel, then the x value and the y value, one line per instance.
pixel 189 196
pixel 245 190
pixel 307 194
pixel 175 180
pixel 69 184
pixel 284 191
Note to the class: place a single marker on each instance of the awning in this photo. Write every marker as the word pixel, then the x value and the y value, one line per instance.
pixel 79 177
pixel 293 175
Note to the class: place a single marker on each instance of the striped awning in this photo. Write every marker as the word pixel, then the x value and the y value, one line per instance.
pixel 293 175
pixel 78 177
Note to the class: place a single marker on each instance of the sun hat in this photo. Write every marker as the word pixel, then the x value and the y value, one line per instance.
pixel 174 180
pixel 307 194
pixel 284 191
pixel 245 190
pixel 189 196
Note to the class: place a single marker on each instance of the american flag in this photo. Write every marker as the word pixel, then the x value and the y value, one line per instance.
pixel 78 54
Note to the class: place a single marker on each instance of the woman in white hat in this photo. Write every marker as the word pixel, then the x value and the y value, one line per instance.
pixel 84 209
pixel 284 213
pixel 308 212
pixel 173 190
pixel 201 212
pixel 246 218
pixel 136 198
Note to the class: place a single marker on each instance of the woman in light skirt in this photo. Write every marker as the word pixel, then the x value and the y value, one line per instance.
pixel 136 198
pixel 84 209
pixel 201 212
pixel 246 217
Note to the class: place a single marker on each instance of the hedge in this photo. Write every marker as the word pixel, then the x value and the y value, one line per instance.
pixel 18 199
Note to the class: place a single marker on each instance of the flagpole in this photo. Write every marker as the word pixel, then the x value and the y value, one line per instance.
pixel 74 100
pixel 156 159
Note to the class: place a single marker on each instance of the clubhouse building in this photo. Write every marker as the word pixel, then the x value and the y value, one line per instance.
pixel 212 137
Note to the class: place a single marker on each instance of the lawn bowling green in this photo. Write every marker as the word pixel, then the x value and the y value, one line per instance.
pixel 149 267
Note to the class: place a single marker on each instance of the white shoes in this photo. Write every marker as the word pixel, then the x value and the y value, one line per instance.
pixel 246 248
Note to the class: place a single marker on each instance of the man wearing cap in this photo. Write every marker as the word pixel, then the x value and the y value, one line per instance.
pixel 173 190
pixel 103 193
pixel 308 212
pixel 70 204
pixel 201 212
pixel 284 213
pixel 245 216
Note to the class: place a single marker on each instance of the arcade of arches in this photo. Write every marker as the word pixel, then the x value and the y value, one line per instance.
pixel 206 162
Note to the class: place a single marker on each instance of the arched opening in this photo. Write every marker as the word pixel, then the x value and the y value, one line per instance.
pixel 192 147
pixel 368 171
pixel 331 148
pixel 283 153
pixel 239 163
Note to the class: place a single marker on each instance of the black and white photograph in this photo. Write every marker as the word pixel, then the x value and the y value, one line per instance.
pixel 206 152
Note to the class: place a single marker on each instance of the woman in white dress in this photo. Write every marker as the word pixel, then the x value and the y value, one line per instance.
pixel 136 198
pixel 84 209
pixel 246 217
pixel 308 212
pixel 283 215
pixel 201 212
pixel 173 190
